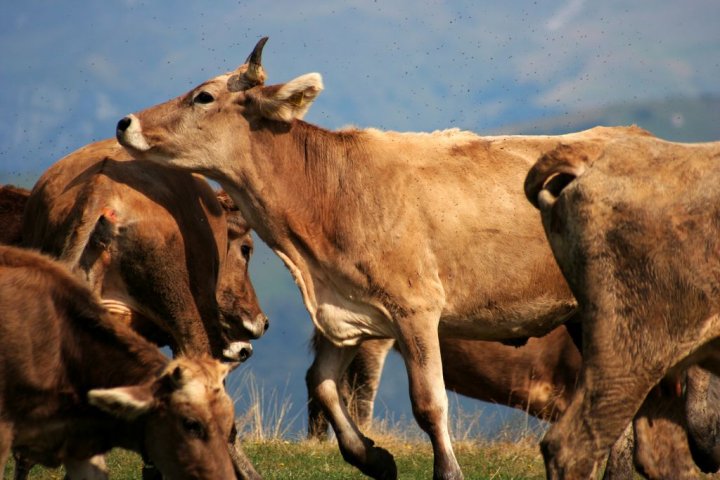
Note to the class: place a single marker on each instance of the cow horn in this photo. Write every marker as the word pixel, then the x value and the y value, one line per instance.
pixel 255 73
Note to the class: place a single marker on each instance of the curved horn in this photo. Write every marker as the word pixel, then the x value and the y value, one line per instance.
pixel 255 73
pixel 251 73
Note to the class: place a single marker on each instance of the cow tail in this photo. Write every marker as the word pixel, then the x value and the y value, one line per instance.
pixel 554 171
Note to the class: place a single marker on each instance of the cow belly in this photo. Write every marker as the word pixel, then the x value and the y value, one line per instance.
pixel 499 322
pixel 348 326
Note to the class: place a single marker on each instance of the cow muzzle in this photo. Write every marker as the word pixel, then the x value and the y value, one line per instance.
pixel 129 134
pixel 238 352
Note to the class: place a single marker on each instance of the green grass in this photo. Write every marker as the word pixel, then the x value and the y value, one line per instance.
pixel 322 461
pixel 309 460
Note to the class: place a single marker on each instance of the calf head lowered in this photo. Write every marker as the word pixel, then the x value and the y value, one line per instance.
pixel 186 415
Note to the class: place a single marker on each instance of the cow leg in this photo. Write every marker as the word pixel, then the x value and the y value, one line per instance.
pixel 328 367
pixel 6 438
pixel 620 461
pixel 703 418
pixel 22 466
pixel 358 387
pixel 420 347
pixel 244 469
pixel 91 469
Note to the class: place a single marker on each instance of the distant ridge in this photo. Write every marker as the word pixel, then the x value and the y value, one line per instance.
pixel 681 119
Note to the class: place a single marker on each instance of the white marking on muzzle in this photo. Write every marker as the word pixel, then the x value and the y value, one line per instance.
pixel 234 351
pixel 133 135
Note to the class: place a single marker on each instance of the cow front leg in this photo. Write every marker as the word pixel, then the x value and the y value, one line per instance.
pixel 420 347
pixel 323 378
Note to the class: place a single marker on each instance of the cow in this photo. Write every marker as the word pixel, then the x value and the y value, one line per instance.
pixel 12 204
pixel 539 378
pixel 162 251
pixel 408 236
pixel 75 383
pixel 634 229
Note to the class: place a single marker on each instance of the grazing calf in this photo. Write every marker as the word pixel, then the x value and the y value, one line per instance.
pixel 75 383
pixel 409 236
pixel 634 228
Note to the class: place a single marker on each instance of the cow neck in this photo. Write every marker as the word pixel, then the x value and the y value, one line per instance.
pixel 108 354
pixel 295 184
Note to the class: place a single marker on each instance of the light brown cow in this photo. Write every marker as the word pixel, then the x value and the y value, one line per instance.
pixel 75 383
pixel 395 235
pixel 634 228
pixel 156 244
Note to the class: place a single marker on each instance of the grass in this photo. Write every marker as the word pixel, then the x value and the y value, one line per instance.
pixel 310 460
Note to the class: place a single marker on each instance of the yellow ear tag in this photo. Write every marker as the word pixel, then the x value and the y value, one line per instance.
pixel 298 99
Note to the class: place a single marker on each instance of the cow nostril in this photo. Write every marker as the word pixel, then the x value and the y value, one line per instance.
pixel 123 124
pixel 245 353
pixel 267 324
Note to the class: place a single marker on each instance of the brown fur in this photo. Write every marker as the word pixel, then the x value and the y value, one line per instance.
pixel 12 205
pixel 59 345
pixel 155 240
pixel 635 235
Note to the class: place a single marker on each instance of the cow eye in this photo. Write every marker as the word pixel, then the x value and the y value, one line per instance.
pixel 246 250
pixel 194 428
pixel 203 97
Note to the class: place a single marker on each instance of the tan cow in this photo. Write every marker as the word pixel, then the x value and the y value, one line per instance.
pixel 75 383
pixel 634 228
pixel 393 235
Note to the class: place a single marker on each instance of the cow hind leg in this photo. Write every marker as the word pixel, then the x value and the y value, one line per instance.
pixel 323 385
pixel 420 347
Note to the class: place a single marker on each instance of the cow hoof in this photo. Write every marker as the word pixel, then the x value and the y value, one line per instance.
pixel 380 464
pixel 375 462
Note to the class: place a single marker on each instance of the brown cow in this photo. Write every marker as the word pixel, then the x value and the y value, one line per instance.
pixel 75 383
pixel 634 228
pixel 165 253
pixel 156 244
pixel 392 235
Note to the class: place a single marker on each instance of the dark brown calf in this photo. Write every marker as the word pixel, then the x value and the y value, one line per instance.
pixel 75 383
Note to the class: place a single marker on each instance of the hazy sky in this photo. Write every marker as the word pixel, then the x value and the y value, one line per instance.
pixel 69 70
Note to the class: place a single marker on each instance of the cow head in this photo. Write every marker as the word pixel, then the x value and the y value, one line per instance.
pixel 240 312
pixel 213 122
pixel 186 418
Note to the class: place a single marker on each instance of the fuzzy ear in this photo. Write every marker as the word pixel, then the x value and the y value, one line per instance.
pixel 122 402
pixel 290 100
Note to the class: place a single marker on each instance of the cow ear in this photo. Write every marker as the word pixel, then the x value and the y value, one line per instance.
pixel 122 402
pixel 288 101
